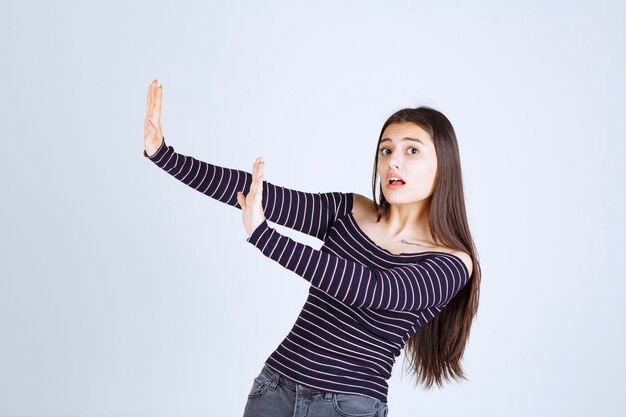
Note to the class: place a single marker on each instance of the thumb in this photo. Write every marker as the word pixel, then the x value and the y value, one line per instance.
pixel 240 199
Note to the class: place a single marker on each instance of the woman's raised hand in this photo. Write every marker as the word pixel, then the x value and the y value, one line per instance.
pixel 152 133
pixel 252 204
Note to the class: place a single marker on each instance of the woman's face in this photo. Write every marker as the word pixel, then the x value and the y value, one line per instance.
pixel 406 151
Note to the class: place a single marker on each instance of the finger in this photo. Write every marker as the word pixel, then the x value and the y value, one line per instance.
pixel 254 175
pixel 241 199
pixel 158 94
pixel 258 185
pixel 259 166
pixel 254 166
pixel 259 173
pixel 153 102
pixel 257 195
pixel 150 98
pixel 259 189
pixel 255 169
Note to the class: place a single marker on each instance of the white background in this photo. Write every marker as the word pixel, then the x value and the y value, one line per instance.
pixel 124 292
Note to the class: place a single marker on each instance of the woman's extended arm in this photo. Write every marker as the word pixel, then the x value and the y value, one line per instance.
pixel 429 283
pixel 310 213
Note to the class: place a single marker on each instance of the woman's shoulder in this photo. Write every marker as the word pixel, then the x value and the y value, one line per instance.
pixel 364 211
pixel 467 260
pixel 362 204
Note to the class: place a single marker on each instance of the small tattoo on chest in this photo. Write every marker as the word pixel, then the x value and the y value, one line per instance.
pixel 413 243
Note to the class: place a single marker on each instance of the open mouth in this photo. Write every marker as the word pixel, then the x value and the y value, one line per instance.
pixel 395 181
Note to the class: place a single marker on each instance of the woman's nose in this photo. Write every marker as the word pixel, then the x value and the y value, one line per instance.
pixel 394 163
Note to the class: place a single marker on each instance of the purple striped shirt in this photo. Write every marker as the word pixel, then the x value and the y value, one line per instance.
pixel 364 302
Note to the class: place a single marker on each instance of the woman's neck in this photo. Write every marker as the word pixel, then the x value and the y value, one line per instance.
pixel 408 221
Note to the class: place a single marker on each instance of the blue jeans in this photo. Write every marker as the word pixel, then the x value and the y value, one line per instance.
pixel 273 395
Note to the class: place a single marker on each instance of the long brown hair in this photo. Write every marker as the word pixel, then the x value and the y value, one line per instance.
pixel 436 349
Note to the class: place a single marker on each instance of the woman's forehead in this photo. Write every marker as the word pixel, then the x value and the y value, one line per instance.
pixel 405 131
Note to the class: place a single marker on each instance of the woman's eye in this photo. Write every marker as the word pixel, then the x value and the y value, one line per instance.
pixel 382 151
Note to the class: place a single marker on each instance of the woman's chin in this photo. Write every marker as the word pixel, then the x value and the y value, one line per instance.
pixel 401 200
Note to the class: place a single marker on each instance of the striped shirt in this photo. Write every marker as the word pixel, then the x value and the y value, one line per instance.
pixel 364 301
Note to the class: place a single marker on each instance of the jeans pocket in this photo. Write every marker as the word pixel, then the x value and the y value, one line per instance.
pixel 259 386
pixel 348 405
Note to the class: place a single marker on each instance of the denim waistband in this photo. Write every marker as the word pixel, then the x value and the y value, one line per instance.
pixel 292 385
pixel 275 376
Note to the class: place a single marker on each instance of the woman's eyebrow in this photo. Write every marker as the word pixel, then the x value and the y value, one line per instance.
pixel 413 139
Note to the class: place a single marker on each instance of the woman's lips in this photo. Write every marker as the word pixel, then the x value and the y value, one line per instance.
pixel 394 185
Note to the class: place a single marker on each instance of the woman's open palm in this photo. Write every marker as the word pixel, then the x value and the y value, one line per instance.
pixel 252 204
pixel 152 133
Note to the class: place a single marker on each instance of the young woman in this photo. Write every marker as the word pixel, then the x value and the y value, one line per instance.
pixel 394 272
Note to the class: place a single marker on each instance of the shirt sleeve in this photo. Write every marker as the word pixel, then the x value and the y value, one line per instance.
pixel 310 213
pixel 431 282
